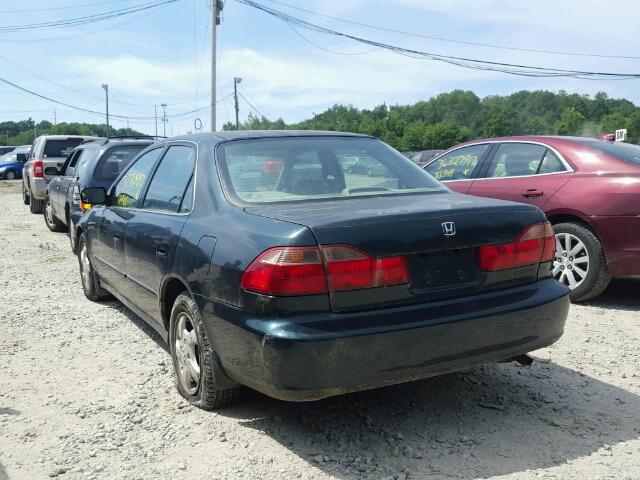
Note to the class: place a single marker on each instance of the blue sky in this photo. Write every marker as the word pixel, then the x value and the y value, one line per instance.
pixel 162 56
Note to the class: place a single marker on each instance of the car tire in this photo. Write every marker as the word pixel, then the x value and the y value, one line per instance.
pixel 89 279
pixel 579 250
pixel 25 195
pixel 10 175
pixel 35 205
pixel 193 356
pixel 50 219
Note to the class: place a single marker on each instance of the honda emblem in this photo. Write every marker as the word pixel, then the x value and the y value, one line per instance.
pixel 449 229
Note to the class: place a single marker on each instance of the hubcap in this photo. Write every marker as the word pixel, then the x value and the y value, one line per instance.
pixel 571 264
pixel 85 268
pixel 48 213
pixel 187 354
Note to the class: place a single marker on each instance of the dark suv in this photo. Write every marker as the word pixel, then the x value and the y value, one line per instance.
pixel 94 163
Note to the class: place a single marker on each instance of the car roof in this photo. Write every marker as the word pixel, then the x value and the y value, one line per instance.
pixel 224 136
pixel 59 137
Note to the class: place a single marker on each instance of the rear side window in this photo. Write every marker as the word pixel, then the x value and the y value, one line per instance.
pixel 171 179
pixel 114 161
pixel 61 147
pixel 459 164
pixel 516 160
pixel 551 164
pixel 290 169
pixel 128 189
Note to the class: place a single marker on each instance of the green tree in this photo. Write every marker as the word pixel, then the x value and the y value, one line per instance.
pixel 570 122
pixel 613 122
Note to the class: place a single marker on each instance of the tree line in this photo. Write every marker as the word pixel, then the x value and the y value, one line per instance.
pixel 25 131
pixel 457 116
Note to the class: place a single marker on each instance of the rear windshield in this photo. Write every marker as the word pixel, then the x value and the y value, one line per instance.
pixel 292 169
pixel 624 151
pixel 115 160
pixel 60 148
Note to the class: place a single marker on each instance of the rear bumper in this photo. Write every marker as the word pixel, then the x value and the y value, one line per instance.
pixel 38 188
pixel 319 355
pixel 619 236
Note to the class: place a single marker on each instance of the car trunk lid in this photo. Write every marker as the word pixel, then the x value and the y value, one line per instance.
pixel 438 233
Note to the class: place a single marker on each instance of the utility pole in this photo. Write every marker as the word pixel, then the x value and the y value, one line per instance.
pixel 55 122
pixel 217 7
pixel 155 115
pixel 164 119
pixel 127 126
pixel 236 81
pixel 106 91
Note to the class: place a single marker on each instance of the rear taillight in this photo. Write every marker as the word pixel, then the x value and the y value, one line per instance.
pixel 534 245
pixel 284 271
pixel 75 196
pixel 350 269
pixel 291 271
pixel 38 169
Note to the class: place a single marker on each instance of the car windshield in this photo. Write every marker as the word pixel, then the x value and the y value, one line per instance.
pixel 61 147
pixel 624 151
pixel 290 169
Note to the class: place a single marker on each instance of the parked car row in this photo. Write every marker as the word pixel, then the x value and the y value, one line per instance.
pixel 588 188
pixel 263 262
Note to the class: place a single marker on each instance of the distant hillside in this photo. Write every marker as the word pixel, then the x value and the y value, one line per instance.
pixel 460 115
pixel 24 131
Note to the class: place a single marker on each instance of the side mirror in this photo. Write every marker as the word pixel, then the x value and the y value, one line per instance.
pixel 22 157
pixel 51 171
pixel 92 196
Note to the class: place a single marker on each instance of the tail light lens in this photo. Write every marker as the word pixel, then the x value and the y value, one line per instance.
pixel 535 244
pixel 291 271
pixel 350 269
pixel 38 169
pixel 284 271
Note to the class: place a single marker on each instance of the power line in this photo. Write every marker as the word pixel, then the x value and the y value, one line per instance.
pixel 95 112
pixel 450 40
pixel 471 63
pixel 64 7
pixel 249 103
pixel 98 17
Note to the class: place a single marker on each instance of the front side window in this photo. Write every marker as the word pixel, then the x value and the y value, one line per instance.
pixel 115 161
pixel 458 164
pixel 128 189
pixel 171 180
pixel 516 160
pixel 290 169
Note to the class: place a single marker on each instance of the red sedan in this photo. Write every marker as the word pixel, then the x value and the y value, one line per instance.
pixel 588 188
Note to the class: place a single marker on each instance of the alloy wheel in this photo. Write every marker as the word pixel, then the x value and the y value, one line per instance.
pixel 85 268
pixel 48 213
pixel 187 353
pixel 571 264
pixel 11 175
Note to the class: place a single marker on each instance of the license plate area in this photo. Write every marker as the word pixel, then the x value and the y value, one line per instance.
pixel 450 268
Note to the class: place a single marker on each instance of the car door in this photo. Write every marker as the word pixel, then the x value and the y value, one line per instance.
pixel 124 197
pixel 521 172
pixel 59 185
pixel 154 229
pixel 457 168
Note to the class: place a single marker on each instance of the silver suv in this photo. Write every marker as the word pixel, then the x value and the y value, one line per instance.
pixel 48 154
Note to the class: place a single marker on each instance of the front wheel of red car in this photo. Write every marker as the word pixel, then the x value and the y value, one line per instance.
pixel 580 261
pixel 193 358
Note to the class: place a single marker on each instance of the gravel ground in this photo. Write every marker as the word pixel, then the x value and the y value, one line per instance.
pixel 87 391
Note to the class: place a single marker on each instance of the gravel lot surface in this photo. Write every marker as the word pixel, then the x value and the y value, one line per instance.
pixel 87 391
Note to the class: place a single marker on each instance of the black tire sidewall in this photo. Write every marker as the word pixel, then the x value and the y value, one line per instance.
pixel 92 293
pixel 597 260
